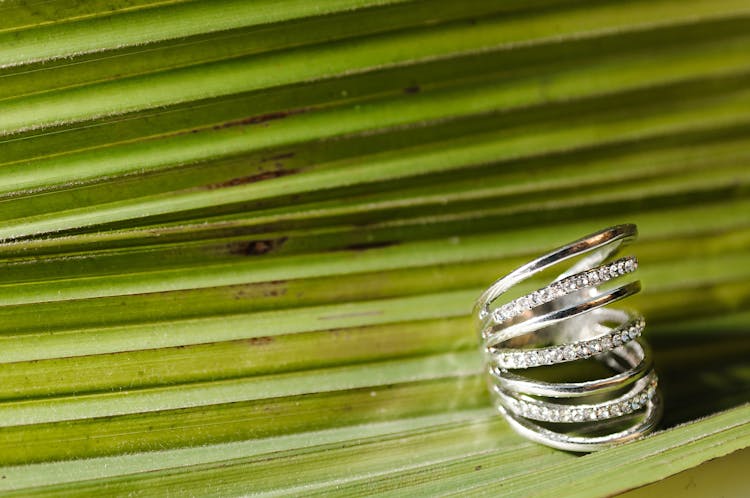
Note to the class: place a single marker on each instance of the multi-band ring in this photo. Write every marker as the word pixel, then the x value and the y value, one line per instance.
pixel 565 321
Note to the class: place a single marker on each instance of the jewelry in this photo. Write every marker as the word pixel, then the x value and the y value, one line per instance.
pixel 566 321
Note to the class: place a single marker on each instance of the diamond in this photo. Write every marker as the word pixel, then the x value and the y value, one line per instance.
pixel 536 298
pixel 613 271
pixel 516 308
pixel 569 353
pixel 553 415
pixel 532 359
pixel 591 414
pixel 593 277
pixel 626 408
pixel 502 313
pixel 559 355
pixel 569 285
pixel 549 356
pixel 635 405
pixel 602 413
pixel 577 415
pixel 615 410
pixel 624 337
pixel 629 265
pixel 543 294
pixel 603 274
pixel 616 341
pixel 522 303
pixel 522 408
pixel 606 342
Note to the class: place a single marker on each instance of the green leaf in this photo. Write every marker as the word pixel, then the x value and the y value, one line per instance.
pixel 241 240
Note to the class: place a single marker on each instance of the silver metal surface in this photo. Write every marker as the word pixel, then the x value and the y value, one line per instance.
pixel 567 320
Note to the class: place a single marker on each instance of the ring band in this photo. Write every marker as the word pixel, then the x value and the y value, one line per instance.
pixel 565 321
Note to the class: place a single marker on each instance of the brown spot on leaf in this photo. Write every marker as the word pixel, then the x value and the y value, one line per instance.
pixel 278 157
pixel 258 177
pixel 259 341
pixel 256 247
pixel 260 118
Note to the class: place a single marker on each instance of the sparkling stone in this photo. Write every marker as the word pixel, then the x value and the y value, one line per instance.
pixel 516 308
pixel 629 265
pixel 520 361
pixel 523 303
pixel 559 355
pixel 544 295
pixel 616 341
pixel 593 277
pixel 606 342
pixel 569 353
pixel 566 416
pixel 602 413
pixel 532 359
pixel 643 398
pixel 621 267
pixel 635 405
pixel 625 407
pixel 624 337
pixel 615 410
pixel 536 298
pixel 613 271
pixel 534 411
pixel 553 415
pixel 569 285
pixel 596 346
pixel 523 409
pixel 603 274
pixel 577 415
pixel 501 314
pixel 590 414
pixel 549 356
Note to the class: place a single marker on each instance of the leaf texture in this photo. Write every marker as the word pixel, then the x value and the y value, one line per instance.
pixel 241 240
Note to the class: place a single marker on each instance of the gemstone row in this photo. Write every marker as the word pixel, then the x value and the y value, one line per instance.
pixel 529 358
pixel 568 285
pixel 551 412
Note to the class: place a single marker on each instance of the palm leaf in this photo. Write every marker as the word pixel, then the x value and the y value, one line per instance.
pixel 241 240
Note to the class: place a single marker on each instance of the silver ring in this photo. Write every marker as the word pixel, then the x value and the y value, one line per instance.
pixel 567 320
